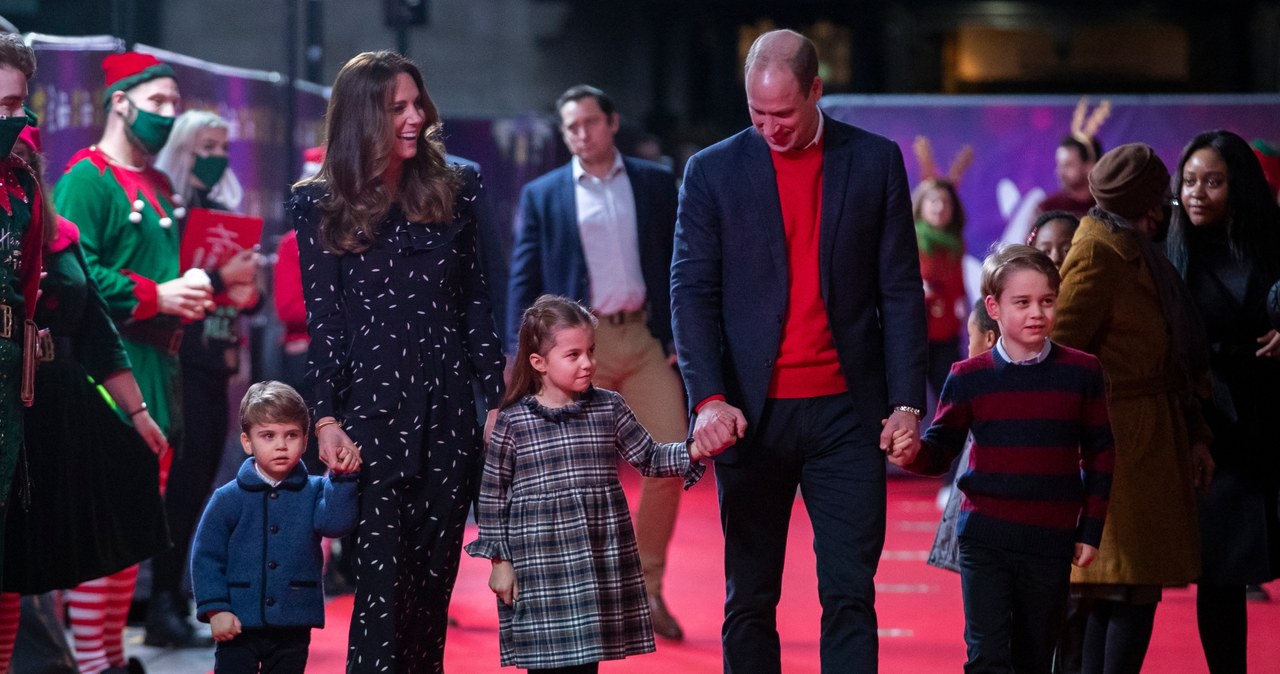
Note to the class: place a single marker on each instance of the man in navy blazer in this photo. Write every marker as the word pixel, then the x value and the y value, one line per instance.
pixel 800 323
pixel 599 230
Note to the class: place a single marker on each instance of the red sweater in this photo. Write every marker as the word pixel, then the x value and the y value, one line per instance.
pixel 288 289
pixel 807 365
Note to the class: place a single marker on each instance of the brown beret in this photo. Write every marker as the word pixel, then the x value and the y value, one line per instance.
pixel 1129 180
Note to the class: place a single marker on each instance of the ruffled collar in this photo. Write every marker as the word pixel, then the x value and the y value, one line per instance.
pixel 558 414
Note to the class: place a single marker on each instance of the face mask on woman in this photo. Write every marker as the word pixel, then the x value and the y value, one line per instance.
pixel 209 169
pixel 150 130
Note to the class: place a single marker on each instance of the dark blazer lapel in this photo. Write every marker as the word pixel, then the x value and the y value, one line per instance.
pixel 763 183
pixel 837 148
pixel 638 179
pixel 565 210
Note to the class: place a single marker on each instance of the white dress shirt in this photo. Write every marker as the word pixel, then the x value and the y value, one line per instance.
pixel 607 225
pixel 1038 358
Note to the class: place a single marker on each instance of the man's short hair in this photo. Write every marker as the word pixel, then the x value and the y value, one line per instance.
pixel 1006 259
pixel 802 61
pixel 581 91
pixel 273 402
pixel 17 54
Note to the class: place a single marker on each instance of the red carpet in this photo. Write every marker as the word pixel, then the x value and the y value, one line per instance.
pixel 921 619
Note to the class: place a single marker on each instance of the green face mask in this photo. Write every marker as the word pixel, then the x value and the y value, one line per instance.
pixel 10 127
pixel 209 169
pixel 149 129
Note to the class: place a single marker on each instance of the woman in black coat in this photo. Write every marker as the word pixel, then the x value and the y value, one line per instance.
pixel 1224 240
pixel 401 334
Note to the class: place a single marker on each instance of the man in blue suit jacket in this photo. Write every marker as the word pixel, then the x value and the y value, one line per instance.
pixel 800 323
pixel 599 230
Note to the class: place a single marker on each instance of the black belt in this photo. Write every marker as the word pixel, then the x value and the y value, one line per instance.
pixel 52 348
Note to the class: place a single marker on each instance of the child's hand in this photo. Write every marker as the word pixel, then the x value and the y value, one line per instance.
pixel 1085 554
pixel 348 460
pixel 502 580
pixel 225 624
pixel 902 446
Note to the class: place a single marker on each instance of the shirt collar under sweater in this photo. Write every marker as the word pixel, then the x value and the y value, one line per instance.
pixel 1038 358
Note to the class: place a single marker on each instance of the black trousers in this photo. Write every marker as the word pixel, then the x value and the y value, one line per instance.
pixel 822 446
pixel 204 410
pixel 1014 607
pixel 269 650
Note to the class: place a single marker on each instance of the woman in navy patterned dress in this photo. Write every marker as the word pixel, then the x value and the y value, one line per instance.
pixel 401 331
pixel 553 518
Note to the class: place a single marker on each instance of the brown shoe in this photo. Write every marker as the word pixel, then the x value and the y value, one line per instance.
pixel 664 624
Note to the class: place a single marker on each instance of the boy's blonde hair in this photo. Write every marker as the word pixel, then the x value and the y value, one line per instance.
pixel 1006 259
pixel 273 402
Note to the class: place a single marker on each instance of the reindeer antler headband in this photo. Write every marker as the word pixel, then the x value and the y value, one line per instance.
pixel 1084 130
pixel 929 168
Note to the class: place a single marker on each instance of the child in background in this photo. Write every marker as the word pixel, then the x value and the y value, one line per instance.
pixel 945 554
pixel 1038 414
pixel 553 518
pixel 256 561
pixel 939 235
pixel 1051 234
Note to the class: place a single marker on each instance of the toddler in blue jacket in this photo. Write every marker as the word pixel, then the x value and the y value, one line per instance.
pixel 256 563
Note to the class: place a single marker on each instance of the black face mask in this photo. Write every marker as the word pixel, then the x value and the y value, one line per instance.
pixel 11 126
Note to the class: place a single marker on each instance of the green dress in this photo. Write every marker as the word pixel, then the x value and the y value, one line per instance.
pixel 127 260
pixel 15 222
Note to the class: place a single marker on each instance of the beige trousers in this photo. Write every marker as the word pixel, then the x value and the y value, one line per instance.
pixel 630 360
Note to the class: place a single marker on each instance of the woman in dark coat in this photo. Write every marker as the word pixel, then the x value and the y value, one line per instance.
pixel 401 331
pixel 1225 242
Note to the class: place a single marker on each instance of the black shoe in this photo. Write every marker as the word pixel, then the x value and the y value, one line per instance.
pixel 167 628
pixel 133 667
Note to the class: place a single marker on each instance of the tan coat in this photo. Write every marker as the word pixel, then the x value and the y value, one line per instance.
pixel 1109 307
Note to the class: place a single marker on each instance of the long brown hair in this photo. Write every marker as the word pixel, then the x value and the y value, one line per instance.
pixel 548 315
pixel 359 136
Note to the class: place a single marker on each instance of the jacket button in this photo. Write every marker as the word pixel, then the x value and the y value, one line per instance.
pixel 273 565
pixel 271 601
pixel 275 528
pixel 275 495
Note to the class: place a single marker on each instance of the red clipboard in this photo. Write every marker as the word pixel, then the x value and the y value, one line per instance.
pixel 212 237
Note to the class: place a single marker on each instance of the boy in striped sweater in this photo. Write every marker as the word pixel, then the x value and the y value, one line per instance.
pixel 1039 474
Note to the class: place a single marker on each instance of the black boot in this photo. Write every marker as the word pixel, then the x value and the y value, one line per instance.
pixel 168 628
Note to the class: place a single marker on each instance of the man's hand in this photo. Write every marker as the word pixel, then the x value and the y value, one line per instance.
pixel 184 298
pixel 900 439
pixel 225 624
pixel 717 426
pixel 502 580
pixel 241 269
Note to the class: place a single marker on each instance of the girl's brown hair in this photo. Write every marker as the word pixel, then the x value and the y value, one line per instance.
pixel 538 327
pixel 956 226
pixel 359 139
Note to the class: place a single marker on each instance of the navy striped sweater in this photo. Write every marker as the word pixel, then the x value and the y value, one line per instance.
pixel 1039 474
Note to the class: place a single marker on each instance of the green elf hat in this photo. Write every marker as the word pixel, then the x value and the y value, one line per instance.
pixel 128 70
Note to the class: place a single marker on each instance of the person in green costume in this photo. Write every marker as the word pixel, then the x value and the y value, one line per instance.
pixel 130 238
pixel 20 245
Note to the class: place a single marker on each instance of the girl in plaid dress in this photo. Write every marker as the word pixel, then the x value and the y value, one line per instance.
pixel 553 517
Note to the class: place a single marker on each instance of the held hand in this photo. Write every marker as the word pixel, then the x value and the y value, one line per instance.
pixel 226 626
pixel 502 580
pixel 900 439
pixel 151 433
pixel 695 454
pixel 241 269
pixel 1202 466
pixel 718 426
pixel 1270 345
pixel 337 451
pixel 1085 554
pixel 489 420
pixel 183 298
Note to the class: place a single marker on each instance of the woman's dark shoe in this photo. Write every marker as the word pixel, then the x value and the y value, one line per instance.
pixel 168 628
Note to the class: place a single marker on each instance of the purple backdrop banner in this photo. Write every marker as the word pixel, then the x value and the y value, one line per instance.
pixel 1014 139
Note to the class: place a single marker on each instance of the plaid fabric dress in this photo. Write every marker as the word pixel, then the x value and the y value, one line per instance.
pixel 551 503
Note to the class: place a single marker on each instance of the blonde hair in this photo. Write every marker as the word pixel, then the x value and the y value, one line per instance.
pixel 273 402
pixel 178 156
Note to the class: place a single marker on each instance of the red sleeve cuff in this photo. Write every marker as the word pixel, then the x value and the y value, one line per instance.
pixel 144 289
pixel 697 408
